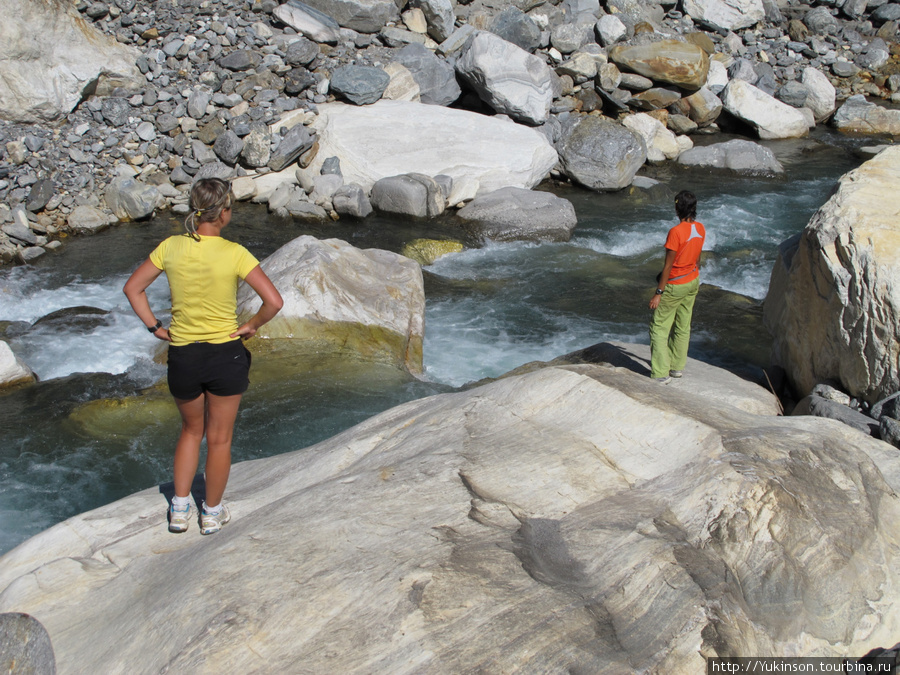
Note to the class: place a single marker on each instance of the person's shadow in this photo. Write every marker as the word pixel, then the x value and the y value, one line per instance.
pixel 612 354
pixel 198 490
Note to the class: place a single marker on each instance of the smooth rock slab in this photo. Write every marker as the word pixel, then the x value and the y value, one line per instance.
pixel 858 116
pixel 522 526
pixel 366 304
pixel 833 305
pixel 514 214
pixel 431 140
pixel 727 14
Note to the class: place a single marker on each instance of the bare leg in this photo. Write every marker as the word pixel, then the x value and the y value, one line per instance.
pixel 221 413
pixel 187 450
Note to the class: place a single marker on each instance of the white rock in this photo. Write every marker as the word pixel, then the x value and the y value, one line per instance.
pixel 507 78
pixel 579 518
pixel 12 369
pixel 661 143
pixel 821 96
pixel 727 14
pixel 403 86
pixel 365 302
pixel 495 152
pixel 833 305
pixel 611 30
pixel 309 22
pixel 243 187
pixel 49 56
pixel 771 118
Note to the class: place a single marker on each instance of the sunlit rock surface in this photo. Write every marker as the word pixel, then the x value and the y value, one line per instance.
pixel 366 303
pixel 51 59
pixel 431 140
pixel 574 518
pixel 834 296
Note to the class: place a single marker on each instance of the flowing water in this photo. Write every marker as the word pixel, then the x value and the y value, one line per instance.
pixel 80 438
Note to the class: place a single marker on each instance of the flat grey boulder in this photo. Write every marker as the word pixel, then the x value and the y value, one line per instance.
pixel 294 143
pixel 130 199
pixel 351 200
pixel 736 155
pixel 308 21
pixel 361 85
pixel 833 305
pixel 818 406
pixel 436 79
pixel 858 116
pixel 414 194
pixel 49 58
pixel 430 140
pixel 770 117
pixel 601 154
pixel 507 78
pixel 363 16
pixel 514 214
pixel 576 518
pixel 364 304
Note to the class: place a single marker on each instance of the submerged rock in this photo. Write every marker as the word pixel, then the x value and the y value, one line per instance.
pixel 481 522
pixel 514 214
pixel 735 155
pixel 426 251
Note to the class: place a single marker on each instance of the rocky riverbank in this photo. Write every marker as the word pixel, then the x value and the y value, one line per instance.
pixel 110 110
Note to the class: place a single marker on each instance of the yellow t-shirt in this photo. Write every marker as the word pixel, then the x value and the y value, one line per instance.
pixel 203 280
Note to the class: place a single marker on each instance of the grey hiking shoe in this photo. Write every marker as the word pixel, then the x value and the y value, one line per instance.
pixel 676 373
pixel 213 522
pixel 662 380
pixel 179 518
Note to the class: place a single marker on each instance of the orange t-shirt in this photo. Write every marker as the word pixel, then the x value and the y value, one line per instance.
pixel 686 239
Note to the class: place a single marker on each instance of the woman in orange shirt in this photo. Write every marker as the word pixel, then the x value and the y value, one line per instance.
pixel 676 291
pixel 208 365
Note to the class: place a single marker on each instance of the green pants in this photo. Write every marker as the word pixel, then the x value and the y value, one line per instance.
pixel 670 328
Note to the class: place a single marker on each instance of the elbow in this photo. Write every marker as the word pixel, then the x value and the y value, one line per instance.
pixel 277 302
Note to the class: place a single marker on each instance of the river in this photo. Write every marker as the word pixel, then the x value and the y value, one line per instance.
pixel 80 439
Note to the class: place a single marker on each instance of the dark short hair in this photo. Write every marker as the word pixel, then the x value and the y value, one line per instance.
pixel 686 205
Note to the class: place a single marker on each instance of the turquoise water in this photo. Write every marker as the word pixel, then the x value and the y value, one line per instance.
pixel 488 310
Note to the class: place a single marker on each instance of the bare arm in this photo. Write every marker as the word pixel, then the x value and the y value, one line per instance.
pixel 664 277
pixel 136 291
pixel 271 303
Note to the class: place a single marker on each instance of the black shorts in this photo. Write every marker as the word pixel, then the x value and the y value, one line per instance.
pixel 221 369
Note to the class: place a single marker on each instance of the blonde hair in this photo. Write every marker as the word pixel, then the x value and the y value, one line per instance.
pixel 209 197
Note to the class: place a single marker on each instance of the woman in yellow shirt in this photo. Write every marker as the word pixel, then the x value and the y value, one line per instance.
pixel 208 365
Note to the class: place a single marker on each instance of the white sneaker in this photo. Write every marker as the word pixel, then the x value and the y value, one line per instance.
pixel 213 522
pixel 676 373
pixel 179 518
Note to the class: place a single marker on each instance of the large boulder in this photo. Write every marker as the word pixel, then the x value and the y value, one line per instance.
pixel 435 78
pixel 431 140
pixel 367 304
pixel 51 58
pixel 507 78
pixel 770 117
pixel 130 199
pixel 725 14
pixel 13 370
pixel 308 21
pixel 409 195
pixel 363 16
pixel 833 305
pixel 736 155
pixel 821 94
pixel 858 116
pixel 670 61
pixel 601 154
pixel 578 518
pixel 514 214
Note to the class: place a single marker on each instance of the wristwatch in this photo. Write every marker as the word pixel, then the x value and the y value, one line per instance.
pixel 155 327
pixel 659 292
